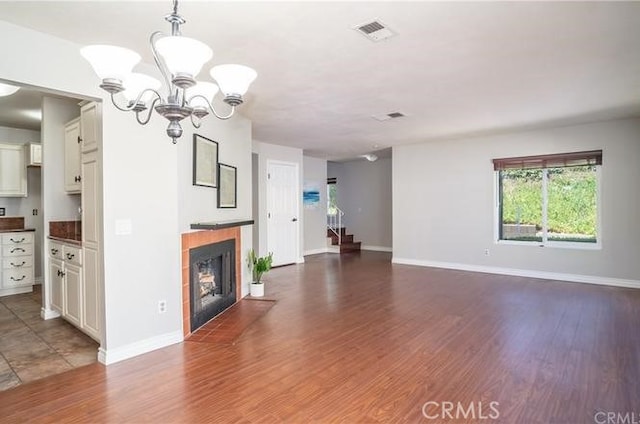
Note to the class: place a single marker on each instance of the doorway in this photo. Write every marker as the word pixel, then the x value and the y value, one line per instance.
pixel 283 225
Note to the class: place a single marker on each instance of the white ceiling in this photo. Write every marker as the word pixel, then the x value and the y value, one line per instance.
pixel 454 69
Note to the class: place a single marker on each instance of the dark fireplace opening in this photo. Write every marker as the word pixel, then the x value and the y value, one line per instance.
pixel 212 281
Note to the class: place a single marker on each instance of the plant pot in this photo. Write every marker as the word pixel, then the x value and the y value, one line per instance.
pixel 257 289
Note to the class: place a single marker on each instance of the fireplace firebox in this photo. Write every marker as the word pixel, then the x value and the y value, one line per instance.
pixel 212 281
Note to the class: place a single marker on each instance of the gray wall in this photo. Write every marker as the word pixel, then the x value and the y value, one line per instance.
pixel 315 219
pixel 364 194
pixel 444 209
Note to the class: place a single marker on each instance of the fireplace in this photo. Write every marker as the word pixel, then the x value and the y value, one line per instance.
pixel 212 281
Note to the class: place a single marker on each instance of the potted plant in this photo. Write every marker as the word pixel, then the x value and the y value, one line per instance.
pixel 259 265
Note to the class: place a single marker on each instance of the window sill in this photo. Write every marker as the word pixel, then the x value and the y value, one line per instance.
pixel 553 244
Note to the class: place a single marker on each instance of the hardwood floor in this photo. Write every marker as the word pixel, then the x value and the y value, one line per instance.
pixel 356 339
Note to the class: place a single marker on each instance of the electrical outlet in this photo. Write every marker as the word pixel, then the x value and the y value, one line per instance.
pixel 162 306
pixel 486 252
pixel 2 211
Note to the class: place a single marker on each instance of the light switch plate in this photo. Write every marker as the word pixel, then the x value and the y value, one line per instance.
pixel 123 227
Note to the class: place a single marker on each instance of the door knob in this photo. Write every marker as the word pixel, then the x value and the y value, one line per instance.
pixel 294 219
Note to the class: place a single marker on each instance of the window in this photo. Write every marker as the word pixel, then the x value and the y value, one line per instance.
pixel 550 199
pixel 332 204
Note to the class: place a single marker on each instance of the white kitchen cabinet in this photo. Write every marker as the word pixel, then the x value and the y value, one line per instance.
pixel 16 256
pixel 72 158
pixel 57 285
pixel 13 171
pixel 71 296
pixel 90 128
pixel 34 154
pixel 72 310
pixel 91 305
pixel 91 236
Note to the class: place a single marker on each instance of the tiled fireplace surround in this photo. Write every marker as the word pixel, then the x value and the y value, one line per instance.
pixel 197 239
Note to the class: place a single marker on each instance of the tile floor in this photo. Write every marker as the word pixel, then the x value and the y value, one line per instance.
pixel 230 324
pixel 31 348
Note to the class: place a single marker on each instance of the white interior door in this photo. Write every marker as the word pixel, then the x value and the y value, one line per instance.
pixel 282 211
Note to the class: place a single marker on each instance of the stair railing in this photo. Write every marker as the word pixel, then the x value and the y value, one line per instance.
pixel 334 223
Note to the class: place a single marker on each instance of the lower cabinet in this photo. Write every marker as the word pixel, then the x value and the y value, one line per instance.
pixel 16 262
pixel 71 296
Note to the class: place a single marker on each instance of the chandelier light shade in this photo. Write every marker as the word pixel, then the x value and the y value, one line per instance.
pixel 7 90
pixel 201 93
pixel 233 79
pixel 135 83
pixel 110 62
pixel 179 59
pixel 183 55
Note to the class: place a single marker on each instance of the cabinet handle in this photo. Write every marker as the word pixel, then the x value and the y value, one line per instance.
pixel 19 279
pixel 54 251
pixel 15 249
pixel 18 265
pixel 60 273
pixel 70 256
pixel 17 241
pixel 79 139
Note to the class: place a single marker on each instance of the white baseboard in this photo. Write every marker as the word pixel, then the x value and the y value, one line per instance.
pixel 111 356
pixel 376 248
pixel 300 260
pixel 557 276
pixel 48 314
pixel 316 251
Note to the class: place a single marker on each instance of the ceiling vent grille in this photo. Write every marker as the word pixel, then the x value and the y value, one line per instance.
pixel 375 30
pixel 388 116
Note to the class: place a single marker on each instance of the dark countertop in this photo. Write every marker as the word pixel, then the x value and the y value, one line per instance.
pixel 220 225
pixel 18 230
pixel 68 241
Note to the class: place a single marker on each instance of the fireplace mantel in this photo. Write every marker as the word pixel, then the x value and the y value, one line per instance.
pixel 220 225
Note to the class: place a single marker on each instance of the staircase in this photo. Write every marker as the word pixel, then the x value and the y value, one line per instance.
pixel 338 240
pixel 344 243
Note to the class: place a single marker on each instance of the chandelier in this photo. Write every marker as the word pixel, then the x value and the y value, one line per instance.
pixel 179 60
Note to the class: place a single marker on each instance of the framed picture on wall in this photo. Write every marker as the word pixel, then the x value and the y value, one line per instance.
pixel 228 186
pixel 205 161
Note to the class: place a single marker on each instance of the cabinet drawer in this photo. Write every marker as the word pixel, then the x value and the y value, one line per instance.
pixel 14 239
pixel 55 250
pixel 72 254
pixel 17 262
pixel 17 250
pixel 17 277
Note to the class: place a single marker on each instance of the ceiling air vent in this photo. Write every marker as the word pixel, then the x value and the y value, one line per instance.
pixel 375 30
pixel 388 116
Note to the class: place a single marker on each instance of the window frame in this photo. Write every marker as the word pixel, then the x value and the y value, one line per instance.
pixel 497 218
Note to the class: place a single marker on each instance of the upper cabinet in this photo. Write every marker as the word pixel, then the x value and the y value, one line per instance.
pixel 72 140
pixel 89 128
pixel 34 154
pixel 13 171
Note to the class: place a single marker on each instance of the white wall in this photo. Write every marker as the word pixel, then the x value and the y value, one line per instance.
pixel 364 195
pixel 274 152
pixel 199 204
pixel 315 220
pixel 443 203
